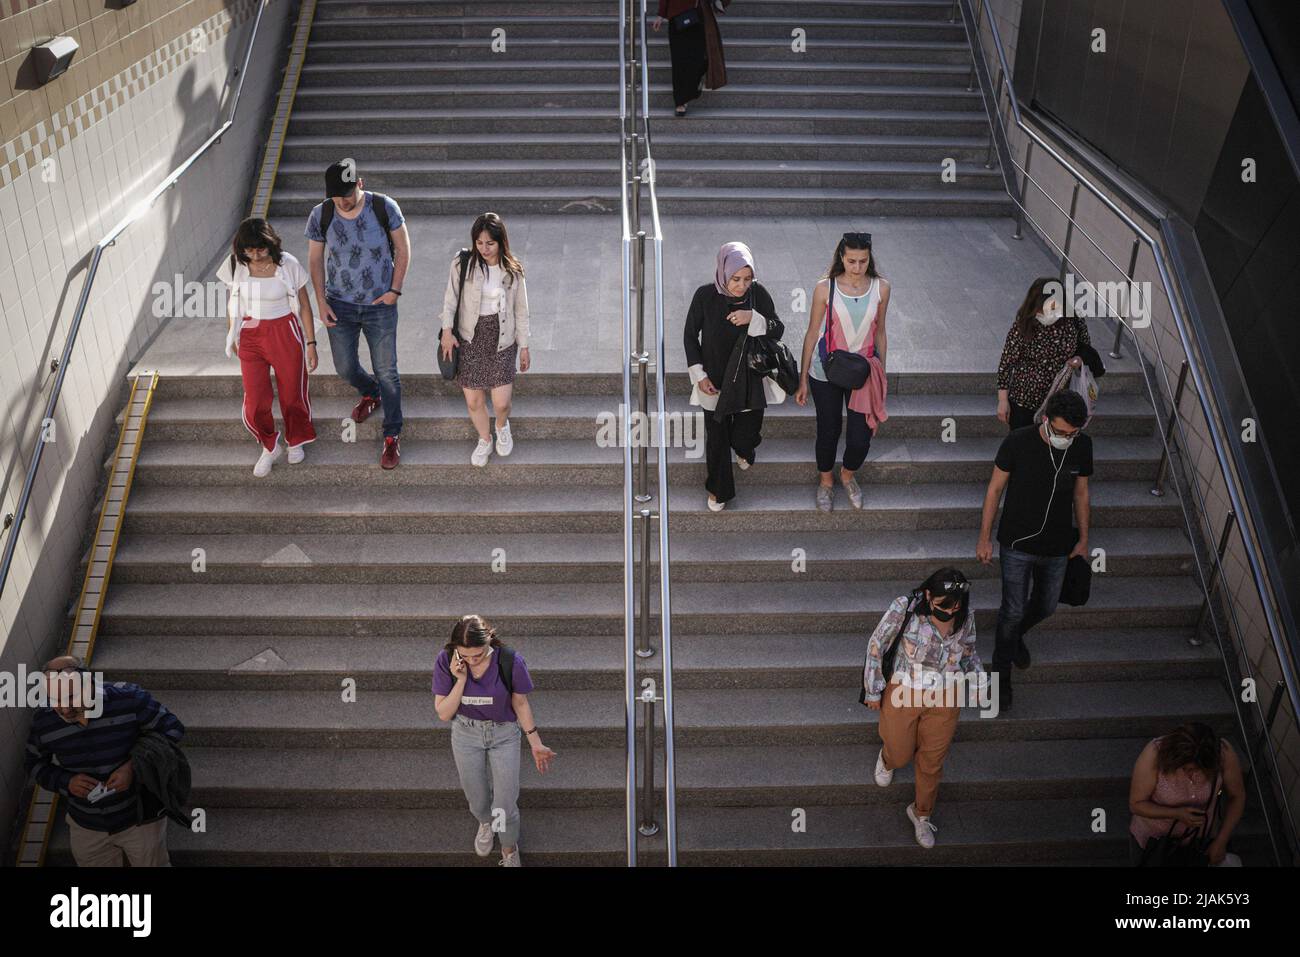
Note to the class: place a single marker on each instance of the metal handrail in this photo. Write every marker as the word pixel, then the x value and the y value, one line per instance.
pixel 661 394
pixel 14 522
pixel 1209 406
pixel 634 108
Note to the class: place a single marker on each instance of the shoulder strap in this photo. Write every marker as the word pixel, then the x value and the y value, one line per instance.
pixel 463 257
pixel 506 667
pixel 326 217
pixel 379 203
pixel 823 344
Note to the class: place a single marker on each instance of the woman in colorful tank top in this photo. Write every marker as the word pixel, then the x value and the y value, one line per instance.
pixel 848 312
pixel 1183 781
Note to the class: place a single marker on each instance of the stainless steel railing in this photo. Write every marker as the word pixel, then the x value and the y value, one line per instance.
pixel 643 505
pixel 1238 517
pixel 13 522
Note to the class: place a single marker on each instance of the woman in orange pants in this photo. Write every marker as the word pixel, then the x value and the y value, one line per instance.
pixel 266 284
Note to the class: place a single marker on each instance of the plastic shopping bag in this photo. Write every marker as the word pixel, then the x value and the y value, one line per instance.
pixel 1080 380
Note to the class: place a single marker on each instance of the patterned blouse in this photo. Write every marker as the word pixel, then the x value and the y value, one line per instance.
pixel 1028 367
pixel 922 649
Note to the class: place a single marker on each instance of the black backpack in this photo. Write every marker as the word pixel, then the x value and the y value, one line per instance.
pixel 890 653
pixel 378 202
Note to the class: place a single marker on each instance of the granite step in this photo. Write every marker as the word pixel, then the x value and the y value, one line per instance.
pixel 572 662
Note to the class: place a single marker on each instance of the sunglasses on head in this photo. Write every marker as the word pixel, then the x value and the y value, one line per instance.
pixel 857 240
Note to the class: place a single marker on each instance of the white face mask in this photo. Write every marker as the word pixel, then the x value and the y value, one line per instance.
pixel 1059 442
pixel 1051 313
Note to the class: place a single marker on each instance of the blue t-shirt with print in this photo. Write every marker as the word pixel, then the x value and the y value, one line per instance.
pixel 358 265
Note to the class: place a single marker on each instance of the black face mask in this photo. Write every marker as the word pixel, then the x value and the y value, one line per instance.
pixel 942 615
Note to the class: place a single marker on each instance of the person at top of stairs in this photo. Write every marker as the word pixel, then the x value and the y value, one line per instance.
pixel 482 687
pixel 695 46
pixel 930 635
pixel 265 282
pixel 851 301
pixel 485 318
pixel 1044 470
pixel 721 313
pixel 362 238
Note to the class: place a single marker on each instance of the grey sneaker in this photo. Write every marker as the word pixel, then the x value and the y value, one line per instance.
pixel 510 860
pixel 483 840
pixel 855 492
pixel 825 497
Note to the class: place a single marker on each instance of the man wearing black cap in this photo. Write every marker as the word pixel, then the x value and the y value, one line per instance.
pixel 363 237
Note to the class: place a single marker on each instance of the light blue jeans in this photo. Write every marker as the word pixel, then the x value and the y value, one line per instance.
pixel 487 760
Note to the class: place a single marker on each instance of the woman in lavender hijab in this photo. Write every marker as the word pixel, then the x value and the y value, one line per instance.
pixel 721 312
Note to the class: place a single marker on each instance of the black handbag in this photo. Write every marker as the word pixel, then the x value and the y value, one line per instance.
pixel 848 370
pixel 450 368
pixel 889 655
pixel 684 21
pixel 1077 584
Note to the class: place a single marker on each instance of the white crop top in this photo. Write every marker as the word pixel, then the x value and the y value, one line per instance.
pixel 269 298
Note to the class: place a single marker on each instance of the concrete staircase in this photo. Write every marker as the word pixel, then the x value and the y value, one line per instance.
pixel 333 570
pixel 865 117
pixel 413 91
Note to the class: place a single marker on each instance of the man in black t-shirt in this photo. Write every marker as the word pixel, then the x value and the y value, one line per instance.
pixel 1044 469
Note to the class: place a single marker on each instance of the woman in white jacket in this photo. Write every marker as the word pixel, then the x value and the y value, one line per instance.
pixel 490 330
pixel 266 285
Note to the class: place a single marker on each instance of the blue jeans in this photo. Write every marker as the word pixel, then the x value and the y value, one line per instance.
pixel 487 761
pixel 1031 589
pixel 379 324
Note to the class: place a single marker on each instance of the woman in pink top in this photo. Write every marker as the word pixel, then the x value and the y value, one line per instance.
pixel 1173 781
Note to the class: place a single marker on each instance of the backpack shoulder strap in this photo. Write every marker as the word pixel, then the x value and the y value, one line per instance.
pixel 379 203
pixel 326 216
pixel 506 667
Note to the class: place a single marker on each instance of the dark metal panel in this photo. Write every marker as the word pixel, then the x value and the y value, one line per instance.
pixel 1132 51
pixel 1159 97
pixel 1214 72
pixel 1100 70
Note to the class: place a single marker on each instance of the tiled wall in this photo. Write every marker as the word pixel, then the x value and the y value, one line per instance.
pixel 147 87
pixel 1163 348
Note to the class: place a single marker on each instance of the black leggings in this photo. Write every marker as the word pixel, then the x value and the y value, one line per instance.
pixel 831 403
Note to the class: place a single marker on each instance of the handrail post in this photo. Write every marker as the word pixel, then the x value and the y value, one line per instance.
pixel 1157 488
pixel 1196 641
pixel 1069 230
pixel 649 826
pixel 1132 269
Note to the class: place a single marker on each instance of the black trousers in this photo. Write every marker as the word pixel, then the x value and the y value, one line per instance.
pixel 1020 417
pixel 831 403
pixel 740 432
pixel 690 58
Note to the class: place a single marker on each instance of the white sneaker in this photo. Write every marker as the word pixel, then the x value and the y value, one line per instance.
pixel 481 452
pixel 505 441
pixel 264 461
pixel 716 506
pixel 511 859
pixel 297 455
pixel 483 840
pixel 742 464
pixel 884 776
pixel 924 829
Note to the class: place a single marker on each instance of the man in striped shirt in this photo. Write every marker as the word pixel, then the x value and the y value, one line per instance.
pixel 73 750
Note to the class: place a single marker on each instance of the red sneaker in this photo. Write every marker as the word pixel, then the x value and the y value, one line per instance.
pixel 362 410
pixel 392 452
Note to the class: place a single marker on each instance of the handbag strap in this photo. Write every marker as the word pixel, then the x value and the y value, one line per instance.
pixel 823 344
pixel 464 258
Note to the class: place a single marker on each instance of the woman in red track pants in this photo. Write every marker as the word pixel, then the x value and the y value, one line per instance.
pixel 265 284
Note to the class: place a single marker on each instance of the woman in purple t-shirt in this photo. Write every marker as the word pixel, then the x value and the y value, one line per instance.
pixel 471 690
